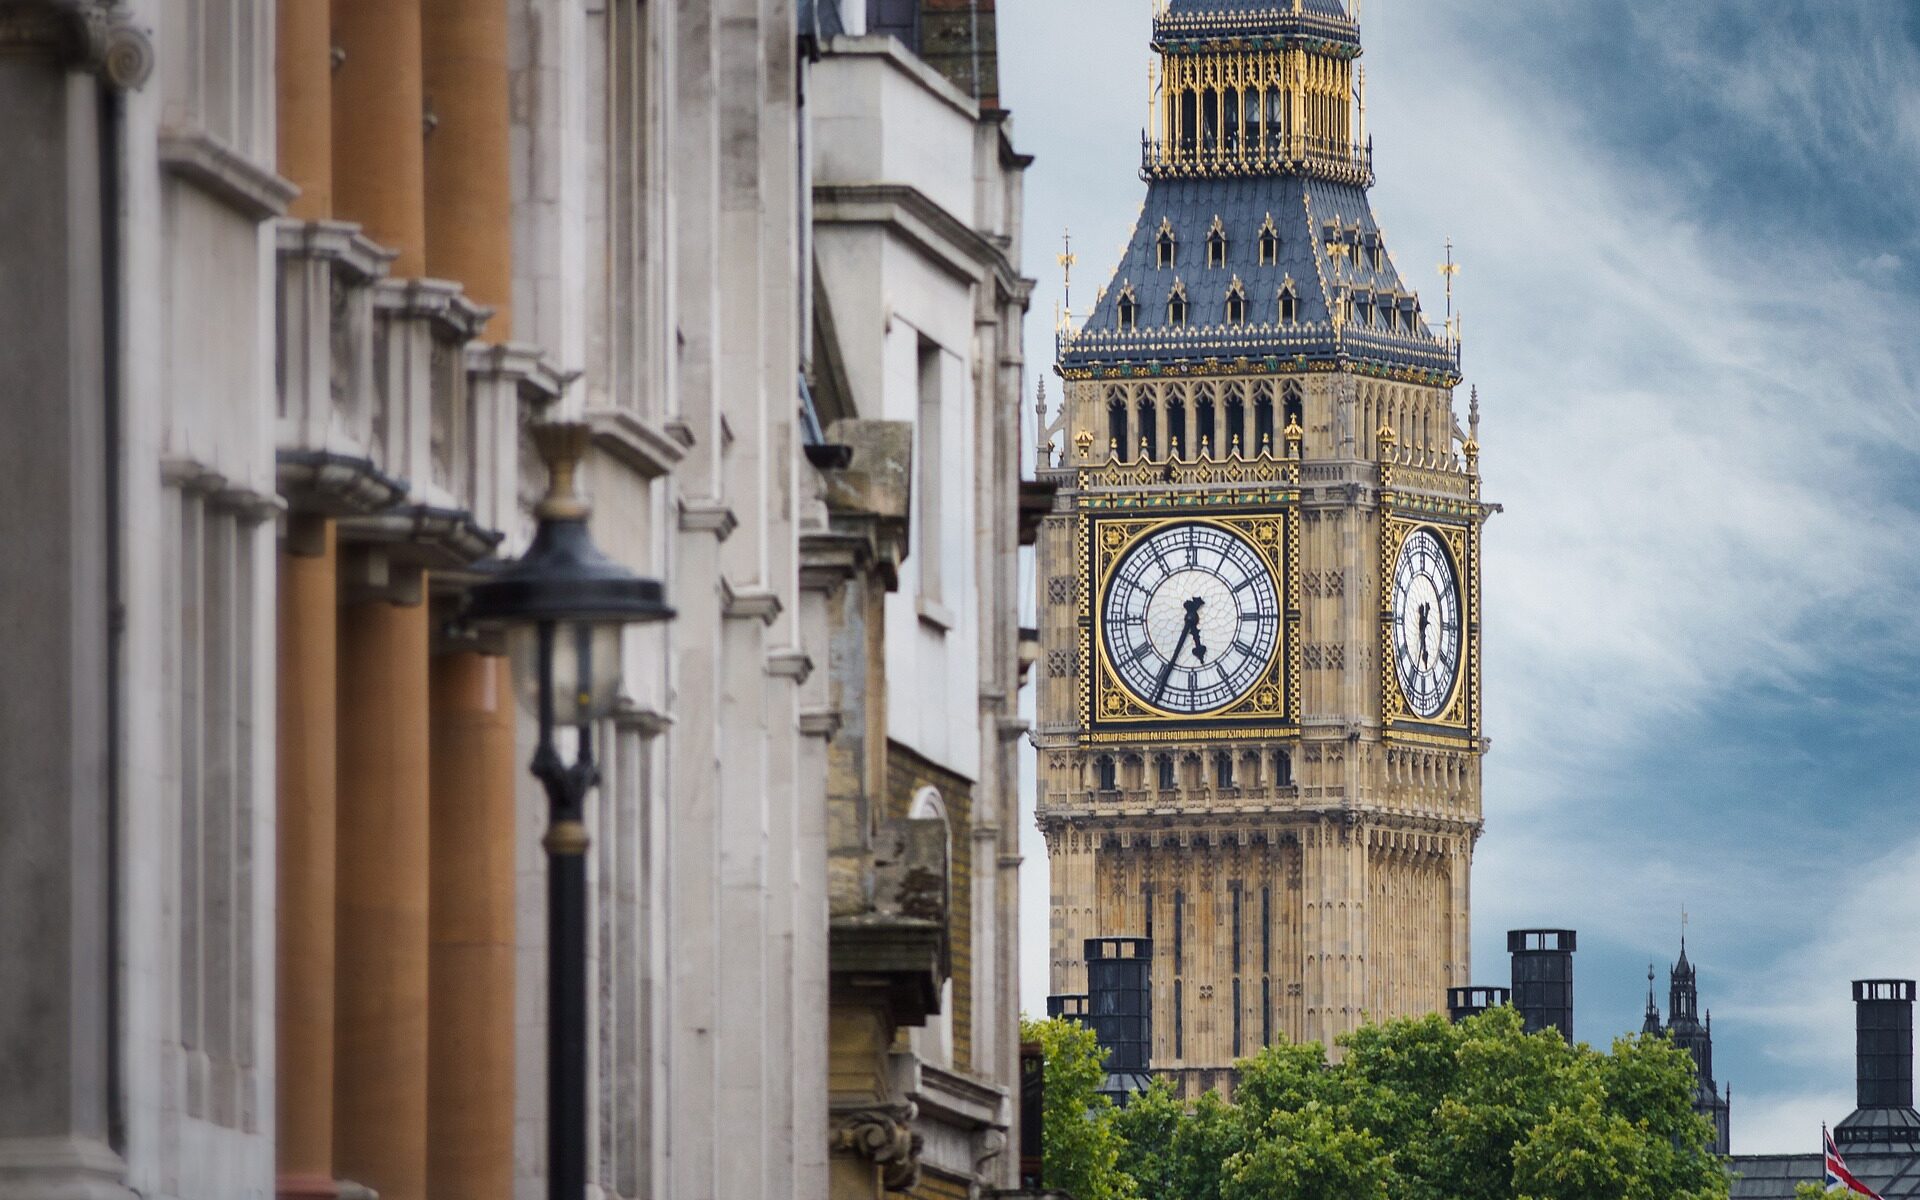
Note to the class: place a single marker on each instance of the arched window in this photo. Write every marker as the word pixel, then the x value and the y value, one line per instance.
pixel 1269 243
pixel 1236 418
pixel 1149 428
pixel 1236 303
pixel 1223 769
pixel 1295 406
pixel 1106 779
pixel 1282 769
pixel 1163 763
pixel 1177 306
pixel 1117 428
pixel 1217 244
pixel 1163 244
pixel 1289 303
pixel 1127 309
pixel 1263 421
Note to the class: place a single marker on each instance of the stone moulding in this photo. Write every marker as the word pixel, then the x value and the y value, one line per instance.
pixel 82 35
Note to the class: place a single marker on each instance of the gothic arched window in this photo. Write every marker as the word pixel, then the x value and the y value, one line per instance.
pixel 1236 303
pixel 1163 245
pixel 1177 305
pixel 1223 769
pixel 1127 309
pixel 1269 243
pixel 1106 778
pixel 1163 763
pixel 1282 768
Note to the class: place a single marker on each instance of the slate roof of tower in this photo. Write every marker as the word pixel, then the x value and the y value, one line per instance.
pixel 1773 1176
pixel 1303 208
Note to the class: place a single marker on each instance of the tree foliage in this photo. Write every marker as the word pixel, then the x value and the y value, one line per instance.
pixel 1080 1148
pixel 1413 1110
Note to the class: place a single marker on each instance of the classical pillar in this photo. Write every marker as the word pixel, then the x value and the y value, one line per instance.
pixel 470 1026
pixel 379 120
pixel 469 196
pixel 60 807
pixel 304 71
pixel 380 1065
pixel 309 612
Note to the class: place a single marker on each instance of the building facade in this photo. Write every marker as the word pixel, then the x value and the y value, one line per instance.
pixel 1259 718
pixel 306 276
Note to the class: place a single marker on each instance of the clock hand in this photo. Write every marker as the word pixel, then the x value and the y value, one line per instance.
pixel 1424 609
pixel 1167 673
pixel 1193 607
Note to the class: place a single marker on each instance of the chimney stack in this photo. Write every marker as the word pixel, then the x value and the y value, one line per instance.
pixel 1885 1121
pixel 1464 1002
pixel 1883 1040
pixel 1543 978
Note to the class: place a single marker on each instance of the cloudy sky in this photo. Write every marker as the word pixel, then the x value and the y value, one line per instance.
pixel 1689 231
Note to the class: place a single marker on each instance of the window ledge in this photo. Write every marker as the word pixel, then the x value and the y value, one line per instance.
pixel 221 172
pixel 934 613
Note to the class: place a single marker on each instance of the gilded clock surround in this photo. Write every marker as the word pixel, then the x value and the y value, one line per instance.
pixel 1111 709
pixel 1458 721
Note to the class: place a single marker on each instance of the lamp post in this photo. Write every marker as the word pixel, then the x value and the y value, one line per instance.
pixel 564 604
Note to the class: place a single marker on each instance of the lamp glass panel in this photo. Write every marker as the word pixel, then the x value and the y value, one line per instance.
pixel 586 670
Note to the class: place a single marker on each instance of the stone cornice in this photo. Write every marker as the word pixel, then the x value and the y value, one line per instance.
pixel 340 243
pixel 225 174
pixel 649 449
pixel 964 251
pixel 440 301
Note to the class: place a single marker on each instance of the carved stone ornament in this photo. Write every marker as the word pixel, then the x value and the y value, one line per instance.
pixel 84 35
pixel 883 1137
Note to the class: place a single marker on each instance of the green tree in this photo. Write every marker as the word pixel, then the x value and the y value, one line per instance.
pixel 1427 1110
pixel 1813 1191
pixel 1080 1148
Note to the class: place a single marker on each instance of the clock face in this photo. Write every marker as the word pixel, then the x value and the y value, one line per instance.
pixel 1191 618
pixel 1426 623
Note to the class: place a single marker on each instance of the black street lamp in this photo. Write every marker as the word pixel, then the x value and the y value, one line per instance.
pixel 564 604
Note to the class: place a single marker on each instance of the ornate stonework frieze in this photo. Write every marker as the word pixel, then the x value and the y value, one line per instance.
pixel 84 35
pixel 883 1136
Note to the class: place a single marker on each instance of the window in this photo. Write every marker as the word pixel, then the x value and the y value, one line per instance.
pixel 929 538
pixel 1179 931
pixel 1235 889
pixel 1237 1051
pixel 1217 244
pixel 1179 1025
pixel 1295 407
pixel 1236 304
pixel 1149 427
pixel 1269 243
pixel 1163 245
pixel 1283 768
pixel 1127 309
pixel 1289 304
pixel 1266 1012
pixel 1266 928
pixel 1104 772
pixel 1117 428
pixel 1149 902
pixel 1263 423
pixel 896 18
pixel 1177 305
pixel 1164 764
pixel 1223 769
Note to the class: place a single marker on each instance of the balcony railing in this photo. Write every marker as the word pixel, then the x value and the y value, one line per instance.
pixel 1273 152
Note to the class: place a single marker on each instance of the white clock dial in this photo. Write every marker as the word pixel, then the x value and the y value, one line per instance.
pixel 1191 618
pixel 1425 613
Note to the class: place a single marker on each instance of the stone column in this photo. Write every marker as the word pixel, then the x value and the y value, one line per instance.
pixel 470 1030
pixel 469 196
pixel 59 803
pixel 304 69
pixel 380 1073
pixel 378 122
pixel 309 612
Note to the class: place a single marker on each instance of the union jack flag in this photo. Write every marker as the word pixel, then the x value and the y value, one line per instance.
pixel 1837 1173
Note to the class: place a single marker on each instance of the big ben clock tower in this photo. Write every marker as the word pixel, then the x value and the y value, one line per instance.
pixel 1259 714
